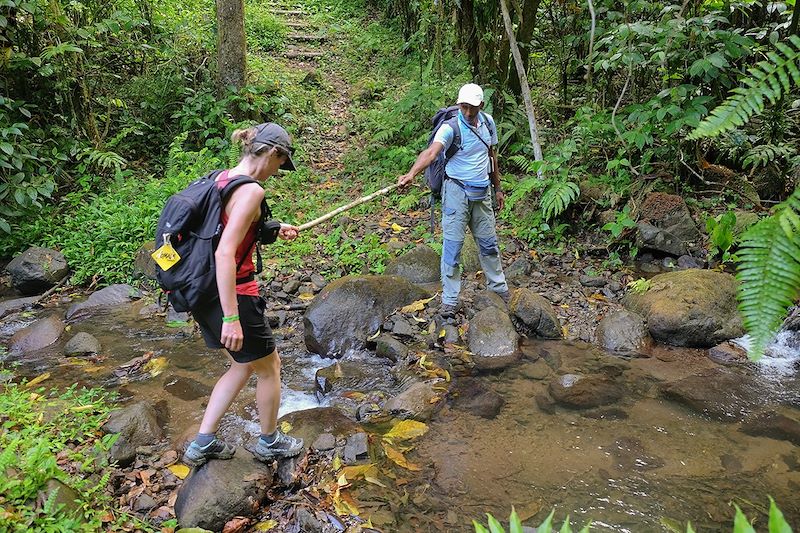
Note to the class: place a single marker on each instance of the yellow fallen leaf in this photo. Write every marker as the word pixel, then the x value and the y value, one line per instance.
pixel 38 379
pixel 375 336
pixel 342 480
pixel 397 228
pixel 419 305
pixel 82 408
pixel 406 430
pixel 180 470
pixel 265 525
pixel 307 296
pixel 356 471
pixel 338 372
pixel 398 458
pixel 156 366
pixel 447 376
pixel 286 426
pixel 374 481
pixel 337 463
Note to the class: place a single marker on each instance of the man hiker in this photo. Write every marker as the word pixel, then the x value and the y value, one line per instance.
pixel 466 197
pixel 235 321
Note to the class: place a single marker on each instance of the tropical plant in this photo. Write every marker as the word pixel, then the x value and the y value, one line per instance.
pixel 720 232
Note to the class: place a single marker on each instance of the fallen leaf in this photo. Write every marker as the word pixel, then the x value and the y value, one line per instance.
pixel 375 336
pixel 82 408
pixel 355 472
pixel 180 470
pixel 236 525
pixel 156 366
pixel 286 426
pixel 38 379
pixel 342 481
pixel 306 296
pixel 375 481
pixel 337 463
pixel 398 458
pixel 354 395
pixel 419 305
pixel 406 429
pixel 337 372
pixel 397 228
pixel 265 525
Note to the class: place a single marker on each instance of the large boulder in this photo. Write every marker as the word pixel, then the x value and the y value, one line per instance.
pixel 111 296
pixel 221 490
pixel 420 265
pixel 623 332
pixel 38 335
pixel 666 225
pixel 533 316
pixel 418 401
pixel 137 425
pixel 718 393
pixel 309 424
pixel 16 305
pixel 37 269
pixel 492 339
pixel 583 392
pixel 352 308
pixel 470 261
pixel 695 308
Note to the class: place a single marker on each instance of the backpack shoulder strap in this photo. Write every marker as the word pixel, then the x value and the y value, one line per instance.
pixel 489 123
pixel 456 144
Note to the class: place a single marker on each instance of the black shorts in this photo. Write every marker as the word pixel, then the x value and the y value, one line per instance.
pixel 258 341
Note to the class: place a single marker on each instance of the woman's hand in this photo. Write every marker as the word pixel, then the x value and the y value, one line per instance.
pixel 232 336
pixel 288 232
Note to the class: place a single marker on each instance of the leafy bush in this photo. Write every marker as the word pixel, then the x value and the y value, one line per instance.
pixel 720 232
pixel 265 32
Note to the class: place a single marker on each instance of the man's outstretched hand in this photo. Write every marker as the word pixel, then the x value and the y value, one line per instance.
pixel 404 180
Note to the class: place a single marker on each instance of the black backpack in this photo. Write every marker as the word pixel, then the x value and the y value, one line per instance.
pixel 191 222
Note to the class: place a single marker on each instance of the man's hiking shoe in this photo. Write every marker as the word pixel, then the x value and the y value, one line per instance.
pixel 448 312
pixel 197 455
pixel 283 447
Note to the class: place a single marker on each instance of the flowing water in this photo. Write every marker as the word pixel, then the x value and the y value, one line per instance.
pixel 642 464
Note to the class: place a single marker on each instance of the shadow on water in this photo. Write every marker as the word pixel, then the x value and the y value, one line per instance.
pixel 635 465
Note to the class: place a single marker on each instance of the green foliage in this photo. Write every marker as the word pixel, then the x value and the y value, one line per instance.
pixel 265 32
pixel 38 426
pixel 639 286
pixel 557 197
pixel 622 222
pixel 769 272
pixel 720 232
pixel 515 525
pixel 767 81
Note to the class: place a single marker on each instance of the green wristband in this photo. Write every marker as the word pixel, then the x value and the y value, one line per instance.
pixel 229 319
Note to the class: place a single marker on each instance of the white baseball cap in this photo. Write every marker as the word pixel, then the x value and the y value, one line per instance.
pixel 471 94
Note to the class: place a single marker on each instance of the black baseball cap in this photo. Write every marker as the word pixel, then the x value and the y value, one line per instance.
pixel 271 134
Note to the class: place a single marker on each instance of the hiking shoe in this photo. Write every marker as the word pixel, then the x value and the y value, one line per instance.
pixel 447 311
pixel 197 455
pixel 283 447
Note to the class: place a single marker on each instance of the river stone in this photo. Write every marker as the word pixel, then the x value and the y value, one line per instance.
pixel 593 281
pixel 38 335
pixel 111 296
pixel 694 308
pixel 221 490
pixel 728 353
pixel 64 498
pixel 352 308
pixel 420 265
pixel 584 392
pixel 186 388
pixel 37 269
pixel 492 339
pixel 533 316
pixel 144 266
pixel 356 447
pixel 390 348
pixel 470 262
pixel 487 299
pixel 473 396
pixel 81 344
pixel 666 225
pixel 623 332
pixel 417 401
pixel 719 393
pixel 773 425
pixel 137 425
pixel 309 424
pixel 520 268
pixel 537 370
pixel 359 375
pixel 16 305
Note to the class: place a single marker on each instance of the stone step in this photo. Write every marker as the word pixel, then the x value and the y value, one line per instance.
pixel 296 25
pixel 302 54
pixel 290 12
pixel 306 37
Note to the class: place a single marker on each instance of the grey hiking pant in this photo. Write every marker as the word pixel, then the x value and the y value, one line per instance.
pixel 458 213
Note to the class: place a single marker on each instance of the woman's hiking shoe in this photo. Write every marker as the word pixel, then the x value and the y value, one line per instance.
pixel 282 447
pixel 197 455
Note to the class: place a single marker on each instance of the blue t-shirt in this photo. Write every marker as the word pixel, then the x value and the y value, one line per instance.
pixel 470 164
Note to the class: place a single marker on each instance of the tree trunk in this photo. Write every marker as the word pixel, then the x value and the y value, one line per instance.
pixel 231 45
pixel 794 27
pixel 524 36
pixel 591 45
pixel 470 37
pixel 523 78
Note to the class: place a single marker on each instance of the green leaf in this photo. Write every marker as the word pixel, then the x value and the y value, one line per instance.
pixel 547 525
pixel 7 148
pixel 478 527
pixel 514 523
pixel 740 523
pixel 777 523
pixel 494 525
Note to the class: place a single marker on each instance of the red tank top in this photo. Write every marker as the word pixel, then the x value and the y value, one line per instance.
pixel 245 250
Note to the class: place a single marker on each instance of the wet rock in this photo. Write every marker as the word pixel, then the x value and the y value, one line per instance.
pixel 308 522
pixel 730 463
pixel 309 424
pixel 390 348
pixel 137 425
pixel 220 490
pixel 487 299
pixel 623 332
pixel 687 261
pixel 473 396
pixel 82 344
pixel 728 353
pixel 718 393
pixel 418 401
pixel 64 498
pixel 324 442
pixel 773 425
pixel 533 316
pixel 517 270
pixel 666 225
pixel 144 266
pixel 629 454
pixel 351 309
pixel 593 281
pixel 276 319
pixel 744 219
pixel 608 413
pixel 319 281
pixel 353 375
pixel 186 388
pixel 420 265
pixel 402 328
pixel 291 286
pixel 537 370
pixel 583 392
pixel 545 403
pixel 356 448
pixel 492 339
pixel 38 335
pixel 695 308
pixel 144 502
pixel 177 319
pixel 37 269
pixel 16 305
pixel 111 296
pixel 470 262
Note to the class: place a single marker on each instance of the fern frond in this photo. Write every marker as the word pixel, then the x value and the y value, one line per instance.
pixel 528 166
pixel 764 154
pixel 769 272
pixel 557 197
pixel 767 81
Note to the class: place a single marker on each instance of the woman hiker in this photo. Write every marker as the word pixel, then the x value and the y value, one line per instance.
pixel 235 322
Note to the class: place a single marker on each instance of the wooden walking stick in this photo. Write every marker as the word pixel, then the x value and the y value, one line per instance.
pixel 351 205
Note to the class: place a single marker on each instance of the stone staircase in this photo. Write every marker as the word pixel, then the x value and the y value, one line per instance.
pixel 304 41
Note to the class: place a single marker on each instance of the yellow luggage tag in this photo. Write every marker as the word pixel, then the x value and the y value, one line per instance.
pixel 166 257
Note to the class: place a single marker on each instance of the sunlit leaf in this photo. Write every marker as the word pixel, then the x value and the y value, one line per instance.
pixel 494 525
pixel 406 429
pixel 398 458
pixel 777 523
pixel 38 379
pixel 374 481
pixel 156 366
pixel 419 305
pixel 265 525
pixel 286 426
pixel 180 470
pixel 397 228
pixel 740 523
pixel 356 471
